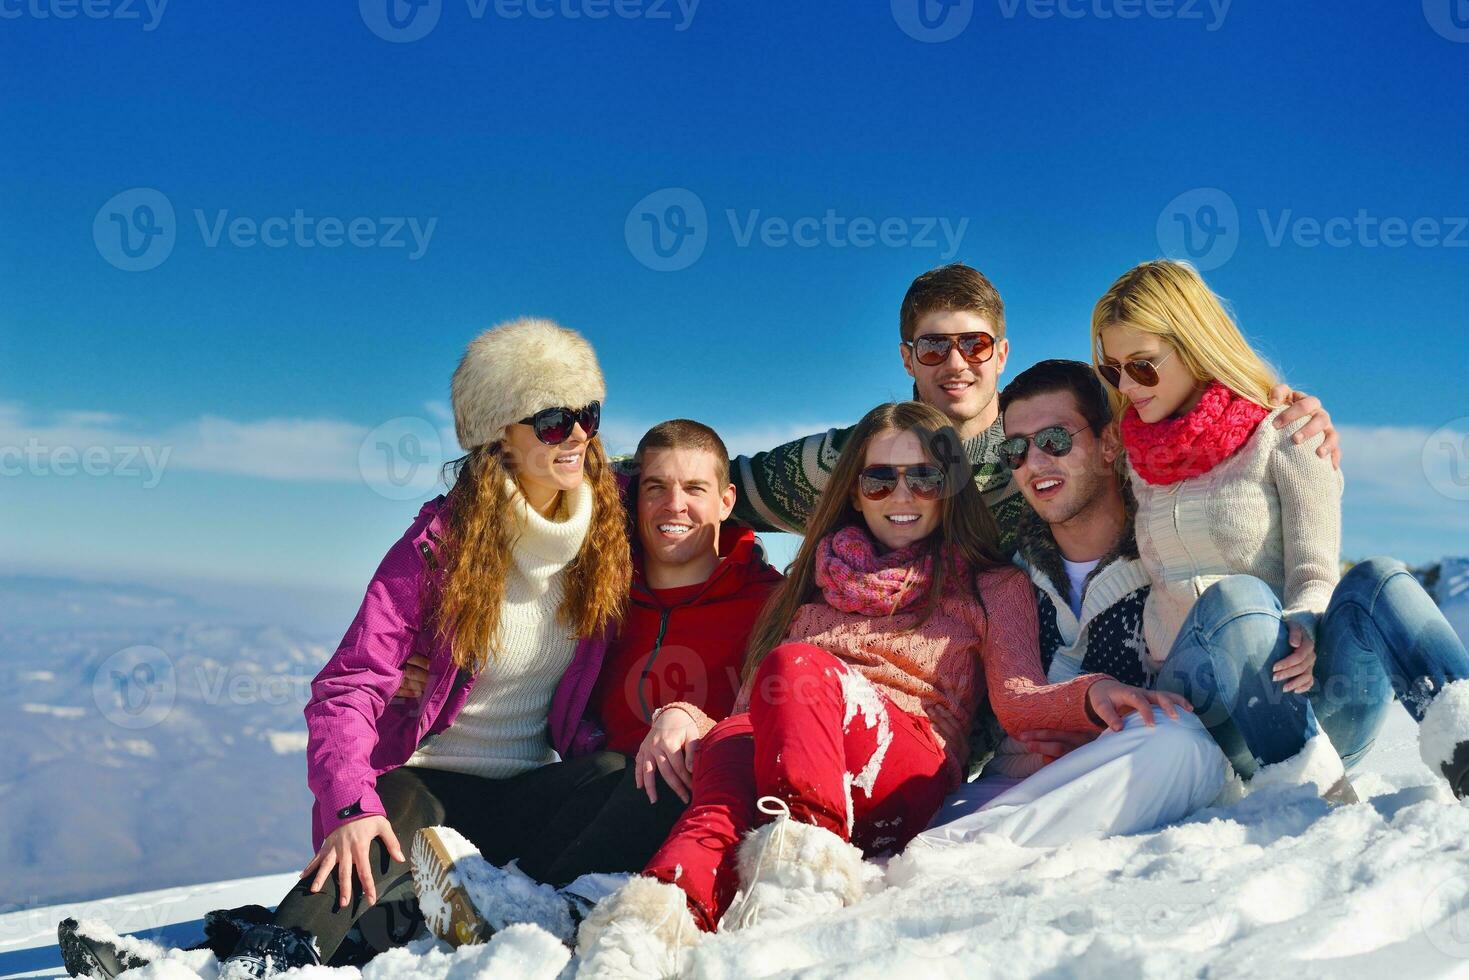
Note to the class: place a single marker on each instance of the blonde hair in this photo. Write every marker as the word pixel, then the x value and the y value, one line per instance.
pixel 1171 301
pixel 478 548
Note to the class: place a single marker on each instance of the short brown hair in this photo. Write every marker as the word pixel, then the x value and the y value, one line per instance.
pixel 951 287
pixel 687 434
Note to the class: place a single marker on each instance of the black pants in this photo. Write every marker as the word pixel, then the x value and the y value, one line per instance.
pixel 621 834
pixel 560 821
pixel 504 818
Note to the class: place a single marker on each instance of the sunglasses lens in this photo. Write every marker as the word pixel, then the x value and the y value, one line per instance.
pixel 1054 441
pixel 926 482
pixel 591 418
pixel 876 482
pixel 931 350
pixel 553 426
pixel 1110 374
pixel 1143 373
pixel 1012 451
pixel 977 347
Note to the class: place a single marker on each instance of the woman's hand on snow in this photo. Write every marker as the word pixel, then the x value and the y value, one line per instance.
pixel 668 749
pixel 415 677
pixel 1108 700
pixel 1294 670
pixel 1052 743
pixel 347 849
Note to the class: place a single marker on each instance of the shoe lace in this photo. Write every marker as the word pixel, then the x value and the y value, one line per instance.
pixel 776 807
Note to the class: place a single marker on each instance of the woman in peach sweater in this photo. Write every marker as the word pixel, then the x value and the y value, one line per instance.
pixel 898 615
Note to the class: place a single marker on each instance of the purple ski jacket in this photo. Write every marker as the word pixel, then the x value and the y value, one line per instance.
pixel 357 730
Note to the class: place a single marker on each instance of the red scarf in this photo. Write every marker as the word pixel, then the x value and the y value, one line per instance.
pixel 1193 444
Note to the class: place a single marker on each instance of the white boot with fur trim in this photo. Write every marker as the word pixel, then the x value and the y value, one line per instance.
pixel 1318 764
pixel 790 869
pixel 642 930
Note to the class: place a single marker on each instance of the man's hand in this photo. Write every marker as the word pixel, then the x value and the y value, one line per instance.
pixel 1052 743
pixel 415 677
pixel 346 849
pixel 669 749
pixel 1300 405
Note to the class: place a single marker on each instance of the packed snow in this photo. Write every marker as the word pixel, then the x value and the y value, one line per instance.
pixel 1274 885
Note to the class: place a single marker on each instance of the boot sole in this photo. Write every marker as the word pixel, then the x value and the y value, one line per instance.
pixel 80 956
pixel 442 899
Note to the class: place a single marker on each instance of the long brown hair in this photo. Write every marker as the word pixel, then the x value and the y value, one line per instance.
pixel 481 534
pixel 966 529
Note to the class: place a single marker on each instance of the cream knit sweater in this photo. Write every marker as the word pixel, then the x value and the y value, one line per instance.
pixel 501 732
pixel 1272 510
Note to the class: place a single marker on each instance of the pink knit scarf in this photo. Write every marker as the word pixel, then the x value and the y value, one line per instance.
pixel 854 578
pixel 1193 444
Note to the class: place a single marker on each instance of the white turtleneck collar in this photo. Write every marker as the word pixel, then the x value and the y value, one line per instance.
pixel 546 546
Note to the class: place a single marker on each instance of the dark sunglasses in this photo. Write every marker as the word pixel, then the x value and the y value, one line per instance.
pixel 554 425
pixel 925 481
pixel 1053 440
pixel 1144 372
pixel 934 348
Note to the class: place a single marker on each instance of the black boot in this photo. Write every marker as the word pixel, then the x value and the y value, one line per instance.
pixel 224 928
pixel 266 950
pixel 90 956
pixel 1456 770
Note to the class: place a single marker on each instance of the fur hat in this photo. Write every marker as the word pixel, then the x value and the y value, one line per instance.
pixel 516 369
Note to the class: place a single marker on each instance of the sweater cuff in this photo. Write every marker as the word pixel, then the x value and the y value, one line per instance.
pixel 702 720
pixel 1306 618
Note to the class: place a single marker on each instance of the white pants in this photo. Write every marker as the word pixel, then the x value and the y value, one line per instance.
pixel 1120 783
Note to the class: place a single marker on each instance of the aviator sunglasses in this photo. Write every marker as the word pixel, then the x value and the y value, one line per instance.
pixel 554 425
pixel 1144 372
pixel 925 481
pixel 1053 440
pixel 933 348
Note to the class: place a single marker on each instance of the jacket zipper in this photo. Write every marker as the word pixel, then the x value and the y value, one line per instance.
pixel 664 614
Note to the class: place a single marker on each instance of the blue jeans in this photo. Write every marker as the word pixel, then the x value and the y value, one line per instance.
pixel 1381 636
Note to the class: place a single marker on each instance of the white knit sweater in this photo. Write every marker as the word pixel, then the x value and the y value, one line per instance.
pixel 1272 510
pixel 501 732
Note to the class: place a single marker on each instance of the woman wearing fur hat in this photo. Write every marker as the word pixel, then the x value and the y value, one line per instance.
pixel 506 586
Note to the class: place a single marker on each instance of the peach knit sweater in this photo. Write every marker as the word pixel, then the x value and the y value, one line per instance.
pixel 932 671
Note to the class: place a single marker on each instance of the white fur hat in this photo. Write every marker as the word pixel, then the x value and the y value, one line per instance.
pixel 514 370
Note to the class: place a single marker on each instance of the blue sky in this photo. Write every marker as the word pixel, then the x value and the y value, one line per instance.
pixel 1052 144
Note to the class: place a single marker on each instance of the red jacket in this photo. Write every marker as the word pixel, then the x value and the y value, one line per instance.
pixel 684 644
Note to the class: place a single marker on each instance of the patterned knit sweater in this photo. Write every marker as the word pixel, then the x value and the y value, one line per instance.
pixel 931 671
pixel 1271 510
pixel 778 488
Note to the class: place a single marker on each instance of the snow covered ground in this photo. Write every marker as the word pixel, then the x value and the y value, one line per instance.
pixel 1274 886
